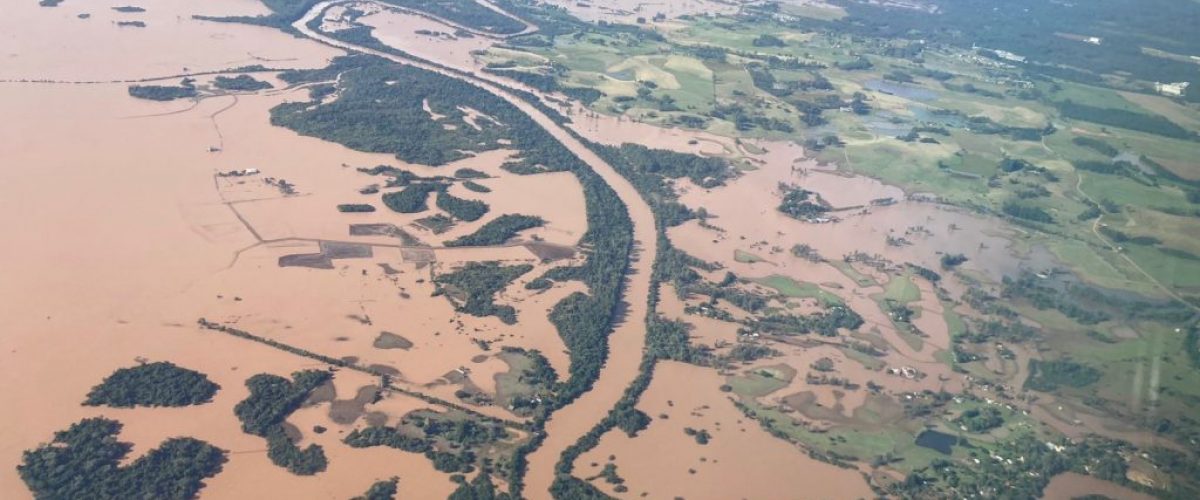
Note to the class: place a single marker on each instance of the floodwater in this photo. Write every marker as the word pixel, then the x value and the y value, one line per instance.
pixel 399 30
pixel 626 341
pixel 1073 485
pixel 119 237
pixel 36 45
pixel 131 245
pixel 116 245
pixel 741 460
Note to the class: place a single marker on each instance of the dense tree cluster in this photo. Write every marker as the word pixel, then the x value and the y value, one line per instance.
pixel 390 437
pixel 450 443
pixel 152 384
pixel 412 199
pixel 631 420
pixel 470 14
pixel 1047 376
pixel 981 419
pixel 1132 120
pixel 1021 210
pixel 284 453
pixel 371 115
pixel 745 120
pixel 540 81
pixel 480 488
pixel 952 260
pixel 272 398
pixel 497 231
pixel 988 478
pixel 244 83
pixel 799 203
pixel 380 490
pixel 651 169
pixel 476 284
pixel 985 125
pixel 1096 145
pixel 84 462
pixel 476 187
pixel 746 352
pixel 470 173
pixel 825 323
pixel 185 89
pixel 768 40
pixel 1191 345
pixel 468 210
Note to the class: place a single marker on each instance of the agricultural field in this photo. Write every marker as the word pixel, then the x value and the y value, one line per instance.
pixel 1081 190
pixel 521 249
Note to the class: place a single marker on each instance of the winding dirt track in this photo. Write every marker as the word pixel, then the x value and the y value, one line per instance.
pixel 627 338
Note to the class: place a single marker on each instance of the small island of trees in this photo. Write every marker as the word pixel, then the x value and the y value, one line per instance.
pixel 476 284
pixel 498 230
pixel 801 203
pixel 381 490
pixel 185 89
pixel 272 398
pixel 152 384
pixel 468 210
pixel 84 462
pixel 244 83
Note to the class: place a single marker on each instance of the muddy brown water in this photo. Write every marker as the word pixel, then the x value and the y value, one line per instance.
pixel 133 243
pixel 1073 485
pixel 626 341
pixel 741 460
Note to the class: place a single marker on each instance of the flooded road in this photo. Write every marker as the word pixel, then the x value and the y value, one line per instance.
pixel 627 338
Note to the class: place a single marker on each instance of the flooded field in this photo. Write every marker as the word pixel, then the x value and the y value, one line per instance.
pixel 739 460
pixel 170 44
pixel 129 281
pixel 827 346
pixel 1072 485
pixel 426 38
pixel 132 244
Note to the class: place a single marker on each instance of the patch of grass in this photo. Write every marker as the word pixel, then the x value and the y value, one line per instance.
pixel 800 289
pixel 1170 269
pixel 746 257
pixel 901 289
pixel 954 323
pixel 1099 265
pixel 869 362
pixel 847 269
pixel 856 439
pixel 528 381
pixel 762 381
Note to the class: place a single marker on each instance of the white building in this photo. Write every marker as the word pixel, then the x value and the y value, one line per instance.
pixel 1171 89
pixel 1009 56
